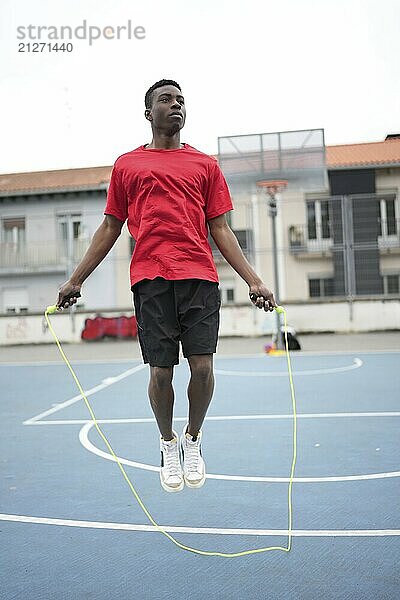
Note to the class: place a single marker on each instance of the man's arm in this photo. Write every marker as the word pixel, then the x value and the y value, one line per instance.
pixel 229 247
pixel 103 240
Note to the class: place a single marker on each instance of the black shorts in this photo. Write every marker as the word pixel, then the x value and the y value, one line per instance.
pixel 169 312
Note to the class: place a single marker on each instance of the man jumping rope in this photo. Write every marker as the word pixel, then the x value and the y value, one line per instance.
pixel 172 196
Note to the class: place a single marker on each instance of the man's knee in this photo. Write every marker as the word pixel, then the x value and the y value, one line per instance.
pixel 201 366
pixel 161 376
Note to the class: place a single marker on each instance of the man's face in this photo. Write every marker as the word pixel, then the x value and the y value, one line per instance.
pixel 168 111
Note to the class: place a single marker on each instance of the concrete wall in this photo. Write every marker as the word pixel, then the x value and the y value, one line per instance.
pixel 240 320
pixel 362 315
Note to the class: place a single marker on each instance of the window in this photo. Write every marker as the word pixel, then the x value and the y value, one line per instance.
pixel 15 300
pixel 387 216
pixel 230 295
pixel 13 233
pixel 314 286
pixel 245 239
pixel 70 227
pixel 391 284
pixel 71 234
pixel 318 224
pixel 320 287
pixel 311 221
pixel 227 289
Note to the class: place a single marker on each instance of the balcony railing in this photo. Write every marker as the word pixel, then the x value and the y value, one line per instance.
pixel 301 240
pixel 389 234
pixel 40 255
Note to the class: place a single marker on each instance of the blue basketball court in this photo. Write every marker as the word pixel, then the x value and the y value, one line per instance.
pixel 71 527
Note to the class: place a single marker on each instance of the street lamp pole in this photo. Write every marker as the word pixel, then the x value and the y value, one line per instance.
pixel 272 209
pixel 272 188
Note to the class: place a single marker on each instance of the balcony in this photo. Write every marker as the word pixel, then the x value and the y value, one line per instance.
pixel 303 242
pixel 39 257
pixel 321 243
pixel 389 238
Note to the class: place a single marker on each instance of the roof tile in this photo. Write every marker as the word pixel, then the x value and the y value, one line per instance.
pixel 42 181
pixel 368 154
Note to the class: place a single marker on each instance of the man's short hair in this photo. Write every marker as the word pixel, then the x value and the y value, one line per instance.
pixel 148 99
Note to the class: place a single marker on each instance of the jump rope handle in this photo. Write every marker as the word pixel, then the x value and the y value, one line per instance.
pixel 54 308
pixel 278 309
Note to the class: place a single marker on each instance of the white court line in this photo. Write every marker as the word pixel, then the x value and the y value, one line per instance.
pixel 86 443
pixel 220 418
pixel 202 530
pixel 357 363
pixel 105 383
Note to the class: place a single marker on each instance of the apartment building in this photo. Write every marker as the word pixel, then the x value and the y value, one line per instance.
pixel 46 222
pixel 337 224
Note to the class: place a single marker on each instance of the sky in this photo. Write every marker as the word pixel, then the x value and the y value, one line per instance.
pixel 248 66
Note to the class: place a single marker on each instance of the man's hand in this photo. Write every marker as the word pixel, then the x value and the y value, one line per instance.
pixel 262 297
pixel 68 294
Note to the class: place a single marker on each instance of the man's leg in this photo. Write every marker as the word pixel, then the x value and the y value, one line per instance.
pixel 199 304
pixel 161 394
pixel 158 331
pixel 200 390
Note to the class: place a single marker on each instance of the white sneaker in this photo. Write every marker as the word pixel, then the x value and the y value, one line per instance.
pixel 194 469
pixel 171 475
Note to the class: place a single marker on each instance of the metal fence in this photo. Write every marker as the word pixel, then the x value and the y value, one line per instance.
pixel 344 247
pixel 358 239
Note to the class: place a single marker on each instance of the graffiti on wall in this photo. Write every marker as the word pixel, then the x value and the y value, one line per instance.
pixel 17 330
pixel 116 327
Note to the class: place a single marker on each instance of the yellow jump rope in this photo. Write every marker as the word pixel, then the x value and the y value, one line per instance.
pixel 53 309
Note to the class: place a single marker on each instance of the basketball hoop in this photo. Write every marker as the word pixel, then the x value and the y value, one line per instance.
pixel 272 186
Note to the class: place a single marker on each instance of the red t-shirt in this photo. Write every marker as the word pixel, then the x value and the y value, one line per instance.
pixel 168 197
